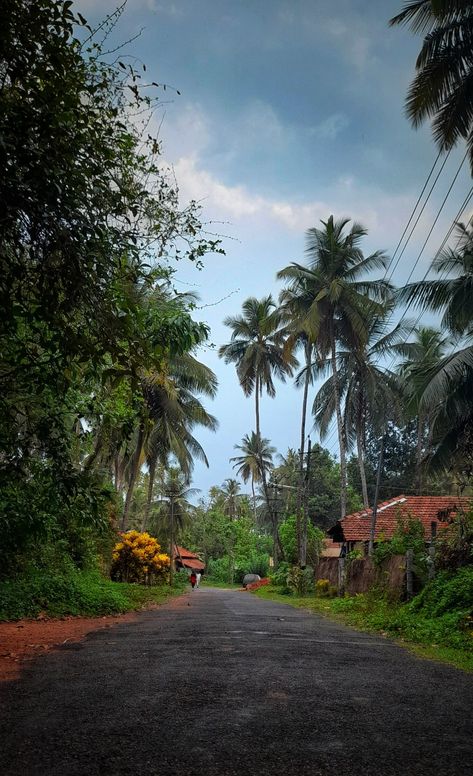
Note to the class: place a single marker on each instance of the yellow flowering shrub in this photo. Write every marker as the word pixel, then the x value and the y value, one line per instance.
pixel 137 557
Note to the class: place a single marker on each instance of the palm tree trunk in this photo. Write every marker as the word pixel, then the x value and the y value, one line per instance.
pixel 420 440
pixel 341 433
pixel 257 389
pixel 361 462
pixel 254 497
pixel 263 476
pixel 149 495
pixel 308 355
pixel 133 474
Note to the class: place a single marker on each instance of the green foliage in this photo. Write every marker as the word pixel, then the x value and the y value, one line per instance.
pixel 288 537
pixel 323 589
pixel 89 222
pixel 74 592
pixel 409 535
pixel 300 581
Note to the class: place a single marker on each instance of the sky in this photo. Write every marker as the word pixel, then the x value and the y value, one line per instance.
pixel 289 111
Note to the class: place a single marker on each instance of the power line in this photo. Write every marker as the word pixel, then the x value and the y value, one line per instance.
pixel 418 216
pixel 458 215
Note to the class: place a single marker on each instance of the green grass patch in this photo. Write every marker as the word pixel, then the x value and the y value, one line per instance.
pixel 84 593
pixel 447 636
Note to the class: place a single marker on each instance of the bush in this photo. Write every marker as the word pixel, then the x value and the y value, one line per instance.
pixel 138 558
pixel 323 589
pixel 74 593
pixel 300 581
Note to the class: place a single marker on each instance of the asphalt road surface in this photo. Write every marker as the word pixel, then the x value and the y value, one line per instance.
pixel 231 684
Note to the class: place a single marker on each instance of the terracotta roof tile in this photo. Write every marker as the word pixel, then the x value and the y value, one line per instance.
pixel 428 509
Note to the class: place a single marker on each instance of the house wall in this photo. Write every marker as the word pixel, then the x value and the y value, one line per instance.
pixel 362 575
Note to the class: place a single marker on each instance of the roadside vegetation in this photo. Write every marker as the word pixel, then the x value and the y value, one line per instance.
pixel 437 624
pixel 103 392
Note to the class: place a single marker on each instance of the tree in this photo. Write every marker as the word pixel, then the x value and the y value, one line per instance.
pixel 370 391
pixel 88 222
pixel 256 348
pixel 441 89
pixel 231 497
pixel 419 358
pixel 447 386
pixel 333 292
pixel 255 462
pixel 174 508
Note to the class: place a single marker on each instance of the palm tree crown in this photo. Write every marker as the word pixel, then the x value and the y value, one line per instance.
pixel 441 88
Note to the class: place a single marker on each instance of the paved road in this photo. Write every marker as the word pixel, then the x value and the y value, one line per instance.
pixel 231 684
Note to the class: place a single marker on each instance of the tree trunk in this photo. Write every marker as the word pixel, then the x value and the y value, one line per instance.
pixel 254 497
pixel 361 465
pixel 273 516
pixel 149 495
pixel 171 542
pixel 134 471
pixel 341 432
pixel 300 484
pixel 420 440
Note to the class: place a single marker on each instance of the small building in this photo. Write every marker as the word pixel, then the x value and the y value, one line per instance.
pixel 434 512
pixel 185 559
pixel 331 549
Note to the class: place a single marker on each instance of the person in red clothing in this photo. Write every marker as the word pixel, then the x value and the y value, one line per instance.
pixel 193 579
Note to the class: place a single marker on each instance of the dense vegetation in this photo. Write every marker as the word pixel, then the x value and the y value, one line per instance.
pixel 102 392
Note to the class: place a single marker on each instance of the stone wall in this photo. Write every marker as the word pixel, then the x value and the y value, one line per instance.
pixel 362 575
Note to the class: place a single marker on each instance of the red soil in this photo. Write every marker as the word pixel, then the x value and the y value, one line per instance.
pixel 22 640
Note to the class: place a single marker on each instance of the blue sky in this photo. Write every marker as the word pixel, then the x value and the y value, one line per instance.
pixel 290 110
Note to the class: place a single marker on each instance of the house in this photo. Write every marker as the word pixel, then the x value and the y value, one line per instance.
pixel 331 549
pixel 185 559
pixel 434 512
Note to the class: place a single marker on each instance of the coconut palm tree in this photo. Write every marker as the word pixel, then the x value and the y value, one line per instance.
pixel 257 455
pixel 419 359
pixel 371 392
pixel 230 491
pixel 445 389
pixel 441 89
pixel 174 507
pixel 256 348
pixel 334 291
pixel 175 411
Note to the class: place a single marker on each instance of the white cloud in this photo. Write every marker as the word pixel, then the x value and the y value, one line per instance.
pixel 330 127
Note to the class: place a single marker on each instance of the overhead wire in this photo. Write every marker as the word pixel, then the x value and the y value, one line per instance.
pixel 464 205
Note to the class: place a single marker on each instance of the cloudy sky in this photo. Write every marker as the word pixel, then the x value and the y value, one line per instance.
pixel 290 110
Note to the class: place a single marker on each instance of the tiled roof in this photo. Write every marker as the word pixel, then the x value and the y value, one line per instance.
pixel 183 553
pixel 427 509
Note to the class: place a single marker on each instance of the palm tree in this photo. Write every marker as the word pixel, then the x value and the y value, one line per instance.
pixel 419 359
pixel 256 458
pixel 175 411
pixel 371 391
pixel 256 348
pixel 231 496
pixel 441 88
pixel 292 307
pixel 175 506
pixel 445 388
pixel 333 292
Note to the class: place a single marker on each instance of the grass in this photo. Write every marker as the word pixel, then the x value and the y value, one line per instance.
pixel 84 593
pixel 445 638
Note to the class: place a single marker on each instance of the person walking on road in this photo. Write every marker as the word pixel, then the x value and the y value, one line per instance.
pixel 198 576
pixel 193 579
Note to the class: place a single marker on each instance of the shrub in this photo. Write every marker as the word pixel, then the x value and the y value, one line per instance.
pixel 300 581
pixel 138 558
pixel 323 589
